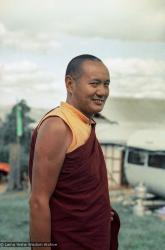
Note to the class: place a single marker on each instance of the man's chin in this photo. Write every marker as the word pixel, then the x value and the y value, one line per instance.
pixel 94 109
pixel 98 109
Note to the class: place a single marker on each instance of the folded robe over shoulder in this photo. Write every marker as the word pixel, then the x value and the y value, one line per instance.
pixel 80 206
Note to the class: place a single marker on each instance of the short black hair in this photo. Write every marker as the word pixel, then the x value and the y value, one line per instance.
pixel 74 66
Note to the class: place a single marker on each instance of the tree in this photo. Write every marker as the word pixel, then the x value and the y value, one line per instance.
pixel 14 147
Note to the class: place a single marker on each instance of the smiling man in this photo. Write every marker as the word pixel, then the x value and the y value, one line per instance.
pixel 69 202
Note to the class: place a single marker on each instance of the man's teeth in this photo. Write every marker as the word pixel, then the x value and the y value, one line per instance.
pixel 98 100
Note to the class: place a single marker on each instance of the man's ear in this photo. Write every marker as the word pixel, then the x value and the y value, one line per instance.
pixel 69 84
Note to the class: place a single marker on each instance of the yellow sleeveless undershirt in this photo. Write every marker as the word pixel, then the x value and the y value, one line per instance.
pixel 79 124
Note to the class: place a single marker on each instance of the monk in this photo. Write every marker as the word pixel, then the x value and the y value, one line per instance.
pixel 69 202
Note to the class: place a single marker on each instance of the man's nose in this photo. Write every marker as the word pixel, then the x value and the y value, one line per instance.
pixel 102 90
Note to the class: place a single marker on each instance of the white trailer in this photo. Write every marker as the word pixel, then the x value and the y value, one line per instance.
pixel 145 160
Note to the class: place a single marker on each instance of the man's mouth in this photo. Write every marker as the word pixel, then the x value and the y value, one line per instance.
pixel 98 101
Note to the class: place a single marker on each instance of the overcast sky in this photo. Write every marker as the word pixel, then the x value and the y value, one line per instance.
pixel 38 38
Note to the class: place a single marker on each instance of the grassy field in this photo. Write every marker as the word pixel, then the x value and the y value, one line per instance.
pixel 13 218
pixel 136 233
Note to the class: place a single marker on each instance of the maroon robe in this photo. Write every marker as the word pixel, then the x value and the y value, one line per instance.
pixel 80 206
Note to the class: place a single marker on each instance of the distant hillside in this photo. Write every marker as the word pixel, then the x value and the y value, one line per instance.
pixel 122 110
pixel 35 113
pixel 130 110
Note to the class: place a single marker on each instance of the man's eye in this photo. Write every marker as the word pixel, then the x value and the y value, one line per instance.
pixel 94 83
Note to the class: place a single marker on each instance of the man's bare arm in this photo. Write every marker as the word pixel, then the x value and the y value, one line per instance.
pixel 52 143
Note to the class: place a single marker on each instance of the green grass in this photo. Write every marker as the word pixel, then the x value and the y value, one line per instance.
pixel 14 218
pixel 137 233
pixel 140 233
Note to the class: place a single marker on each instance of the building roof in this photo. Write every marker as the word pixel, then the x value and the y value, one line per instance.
pixel 114 133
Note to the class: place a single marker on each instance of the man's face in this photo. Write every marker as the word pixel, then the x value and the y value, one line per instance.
pixel 90 91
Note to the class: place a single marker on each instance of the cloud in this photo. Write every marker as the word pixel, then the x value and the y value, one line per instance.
pixel 130 77
pixel 27 41
pixel 137 77
pixel 25 74
pixel 28 80
pixel 120 19
pixel 136 67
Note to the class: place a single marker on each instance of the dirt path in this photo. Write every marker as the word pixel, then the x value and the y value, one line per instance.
pixel 3 187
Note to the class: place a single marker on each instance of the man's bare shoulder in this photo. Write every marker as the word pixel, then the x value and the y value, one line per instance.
pixel 53 123
pixel 54 128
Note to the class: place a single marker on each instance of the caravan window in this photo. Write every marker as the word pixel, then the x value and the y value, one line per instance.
pixel 136 157
pixel 156 160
